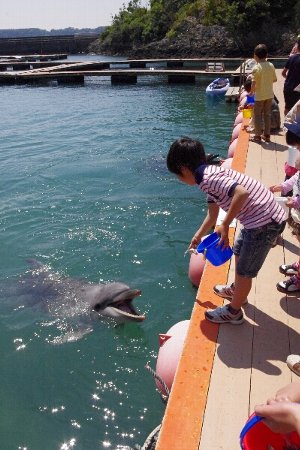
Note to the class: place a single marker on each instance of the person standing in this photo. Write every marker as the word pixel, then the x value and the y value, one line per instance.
pixel 263 77
pixel 291 73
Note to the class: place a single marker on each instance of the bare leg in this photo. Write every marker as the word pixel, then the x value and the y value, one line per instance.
pixel 242 287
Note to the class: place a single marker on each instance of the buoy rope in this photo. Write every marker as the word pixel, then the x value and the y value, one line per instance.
pixel 157 377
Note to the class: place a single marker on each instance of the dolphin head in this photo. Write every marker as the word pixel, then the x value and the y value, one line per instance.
pixel 114 300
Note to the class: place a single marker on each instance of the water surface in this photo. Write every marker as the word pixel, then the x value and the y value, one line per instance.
pixel 84 188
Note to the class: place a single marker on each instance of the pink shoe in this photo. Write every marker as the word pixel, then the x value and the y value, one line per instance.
pixel 290 286
pixel 289 269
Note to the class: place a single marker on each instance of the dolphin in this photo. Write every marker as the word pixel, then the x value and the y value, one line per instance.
pixel 76 301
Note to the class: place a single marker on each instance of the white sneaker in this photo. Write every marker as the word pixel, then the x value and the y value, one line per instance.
pixel 226 291
pixel 223 315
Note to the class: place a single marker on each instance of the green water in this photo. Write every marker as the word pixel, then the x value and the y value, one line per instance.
pixel 84 189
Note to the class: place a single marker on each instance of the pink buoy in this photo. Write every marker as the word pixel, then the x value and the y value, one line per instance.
pixel 227 163
pixel 236 131
pixel 232 148
pixel 196 267
pixel 170 349
pixel 238 119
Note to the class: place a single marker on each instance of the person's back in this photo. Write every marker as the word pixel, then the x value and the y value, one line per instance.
pixel 263 77
pixel 293 71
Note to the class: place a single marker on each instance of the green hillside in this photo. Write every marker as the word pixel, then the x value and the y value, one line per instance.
pixel 246 22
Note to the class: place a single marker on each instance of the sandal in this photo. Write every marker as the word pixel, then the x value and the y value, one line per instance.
pixel 293 363
pixel 267 138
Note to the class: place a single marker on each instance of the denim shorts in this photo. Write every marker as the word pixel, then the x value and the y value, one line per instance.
pixel 252 247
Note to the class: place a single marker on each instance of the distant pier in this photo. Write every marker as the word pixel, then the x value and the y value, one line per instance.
pixel 177 70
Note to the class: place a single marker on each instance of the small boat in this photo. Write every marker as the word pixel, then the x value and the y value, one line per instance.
pixel 218 86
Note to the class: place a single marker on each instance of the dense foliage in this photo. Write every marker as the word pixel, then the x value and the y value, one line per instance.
pixel 136 25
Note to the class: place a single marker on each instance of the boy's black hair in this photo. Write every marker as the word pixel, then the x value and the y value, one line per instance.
pixel 291 138
pixel 261 51
pixel 185 152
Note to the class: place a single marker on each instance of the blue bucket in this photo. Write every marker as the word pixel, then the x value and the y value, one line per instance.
pixel 215 255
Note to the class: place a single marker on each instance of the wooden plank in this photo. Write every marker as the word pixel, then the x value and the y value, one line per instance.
pixel 232 94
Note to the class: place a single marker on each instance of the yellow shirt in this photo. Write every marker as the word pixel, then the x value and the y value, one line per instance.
pixel 264 76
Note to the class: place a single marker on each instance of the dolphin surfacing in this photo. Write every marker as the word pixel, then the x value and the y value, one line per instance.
pixel 111 300
pixel 77 301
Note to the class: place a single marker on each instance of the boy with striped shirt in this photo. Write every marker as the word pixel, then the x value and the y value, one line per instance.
pixel 243 198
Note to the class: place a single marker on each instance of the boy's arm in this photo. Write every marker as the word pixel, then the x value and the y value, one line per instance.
pixel 239 197
pixel 207 224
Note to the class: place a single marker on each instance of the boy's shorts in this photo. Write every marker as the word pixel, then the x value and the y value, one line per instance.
pixel 252 247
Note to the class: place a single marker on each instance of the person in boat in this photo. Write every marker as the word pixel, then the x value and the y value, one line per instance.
pixel 241 197
pixel 220 83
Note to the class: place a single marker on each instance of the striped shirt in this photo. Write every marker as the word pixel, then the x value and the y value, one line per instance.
pixel 259 209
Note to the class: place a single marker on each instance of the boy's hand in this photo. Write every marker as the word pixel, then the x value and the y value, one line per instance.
pixel 223 231
pixel 196 239
pixel 289 202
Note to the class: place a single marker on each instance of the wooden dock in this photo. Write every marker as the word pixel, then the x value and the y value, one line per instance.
pixel 124 71
pixel 233 93
pixel 226 370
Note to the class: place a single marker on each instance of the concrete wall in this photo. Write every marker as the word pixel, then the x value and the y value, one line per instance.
pixel 46 44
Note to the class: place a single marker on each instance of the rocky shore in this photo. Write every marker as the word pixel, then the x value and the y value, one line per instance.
pixel 196 40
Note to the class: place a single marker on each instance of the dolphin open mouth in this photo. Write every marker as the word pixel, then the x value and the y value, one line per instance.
pixel 123 304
